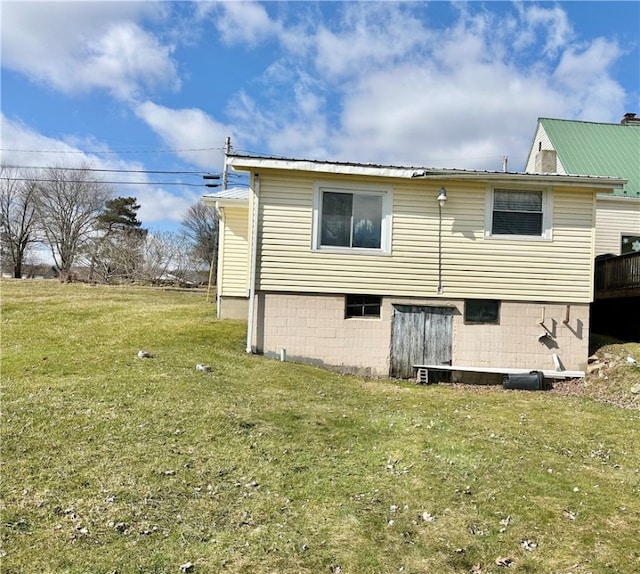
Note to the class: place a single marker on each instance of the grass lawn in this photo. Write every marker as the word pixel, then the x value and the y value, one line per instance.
pixel 115 464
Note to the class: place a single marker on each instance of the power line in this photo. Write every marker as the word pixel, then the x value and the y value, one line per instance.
pixel 103 152
pixel 106 182
pixel 58 168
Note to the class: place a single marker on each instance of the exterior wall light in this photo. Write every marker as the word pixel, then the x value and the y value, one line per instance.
pixel 443 196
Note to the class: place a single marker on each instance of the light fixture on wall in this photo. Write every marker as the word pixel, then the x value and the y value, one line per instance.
pixel 443 196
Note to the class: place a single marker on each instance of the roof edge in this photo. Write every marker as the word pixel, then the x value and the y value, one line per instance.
pixel 246 163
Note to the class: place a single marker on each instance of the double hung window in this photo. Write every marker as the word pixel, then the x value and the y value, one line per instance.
pixel 520 213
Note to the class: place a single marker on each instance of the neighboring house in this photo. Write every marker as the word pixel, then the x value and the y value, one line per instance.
pixel 373 269
pixel 588 148
pixel 232 281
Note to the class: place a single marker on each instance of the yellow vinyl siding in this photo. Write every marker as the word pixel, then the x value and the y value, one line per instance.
pixel 472 265
pixel 614 218
pixel 234 249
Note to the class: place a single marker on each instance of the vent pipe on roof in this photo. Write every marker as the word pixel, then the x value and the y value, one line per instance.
pixel 630 118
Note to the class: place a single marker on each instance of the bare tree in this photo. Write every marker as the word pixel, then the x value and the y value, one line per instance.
pixel 167 258
pixel 200 225
pixel 18 217
pixel 68 204
pixel 118 257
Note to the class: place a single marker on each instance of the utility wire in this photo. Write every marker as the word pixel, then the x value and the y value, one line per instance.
pixel 103 152
pixel 108 182
pixel 58 168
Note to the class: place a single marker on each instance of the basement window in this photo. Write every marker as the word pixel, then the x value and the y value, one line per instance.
pixel 481 311
pixel 362 306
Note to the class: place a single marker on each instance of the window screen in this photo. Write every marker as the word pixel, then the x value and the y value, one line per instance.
pixel 517 213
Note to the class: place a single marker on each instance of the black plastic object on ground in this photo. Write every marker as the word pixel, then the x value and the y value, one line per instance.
pixel 533 381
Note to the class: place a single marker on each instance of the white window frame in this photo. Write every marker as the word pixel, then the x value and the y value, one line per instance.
pixel 547 214
pixel 384 191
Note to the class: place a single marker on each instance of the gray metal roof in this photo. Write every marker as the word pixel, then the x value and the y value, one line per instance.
pixel 353 168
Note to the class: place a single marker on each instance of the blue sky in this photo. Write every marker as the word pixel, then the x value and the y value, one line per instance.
pixel 141 86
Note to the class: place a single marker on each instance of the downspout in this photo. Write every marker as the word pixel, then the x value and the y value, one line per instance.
pixel 254 260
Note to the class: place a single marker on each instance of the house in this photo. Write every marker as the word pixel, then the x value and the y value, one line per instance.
pixel 589 148
pixel 373 269
pixel 232 281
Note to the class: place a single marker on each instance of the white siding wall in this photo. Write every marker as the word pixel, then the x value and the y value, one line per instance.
pixel 233 275
pixel 614 218
pixel 472 265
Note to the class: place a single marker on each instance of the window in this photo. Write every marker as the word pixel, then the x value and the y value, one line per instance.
pixel 481 311
pixel 629 244
pixel 362 306
pixel 354 219
pixel 520 213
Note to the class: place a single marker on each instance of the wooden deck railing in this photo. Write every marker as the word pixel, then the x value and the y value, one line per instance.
pixel 618 273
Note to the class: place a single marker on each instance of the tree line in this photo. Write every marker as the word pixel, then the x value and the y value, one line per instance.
pixel 77 218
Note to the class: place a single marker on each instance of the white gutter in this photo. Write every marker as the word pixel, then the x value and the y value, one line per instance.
pixel 254 259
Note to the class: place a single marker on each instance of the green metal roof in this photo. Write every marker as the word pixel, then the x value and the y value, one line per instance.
pixel 588 148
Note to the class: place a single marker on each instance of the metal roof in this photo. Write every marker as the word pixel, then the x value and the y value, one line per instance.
pixel 239 193
pixel 245 162
pixel 590 148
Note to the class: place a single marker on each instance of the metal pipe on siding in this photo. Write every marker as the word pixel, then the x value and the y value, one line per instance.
pixel 254 260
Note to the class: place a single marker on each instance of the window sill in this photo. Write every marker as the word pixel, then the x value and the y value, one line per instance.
pixel 518 237
pixel 351 251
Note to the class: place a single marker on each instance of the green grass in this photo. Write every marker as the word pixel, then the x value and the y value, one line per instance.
pixel 112 463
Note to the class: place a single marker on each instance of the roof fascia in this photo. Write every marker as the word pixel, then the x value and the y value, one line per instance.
pixel 611 197
pixel 248 163
pixel 251 163
pixel 219 203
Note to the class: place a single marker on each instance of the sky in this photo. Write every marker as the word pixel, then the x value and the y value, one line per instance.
pixel 148 86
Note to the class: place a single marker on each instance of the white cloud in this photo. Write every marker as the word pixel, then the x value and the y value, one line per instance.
pixel 554 21
pixel 379 35
pixel 408 92
pixel 125 59
pixel 188 131
pixel 244 23
pixel 80 46
pixel 377 83
pixel 584 65
pixel 157 204
pixel 583 74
